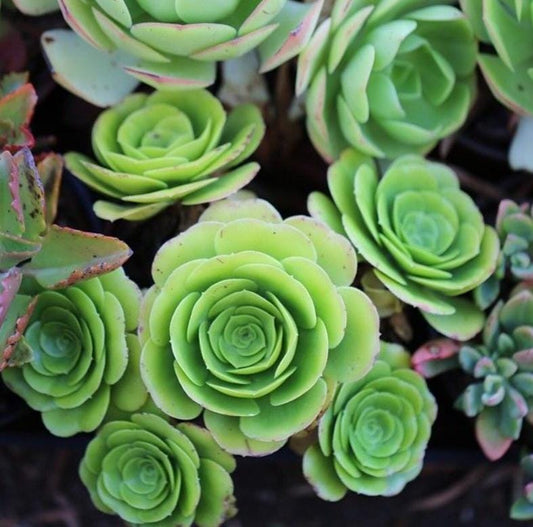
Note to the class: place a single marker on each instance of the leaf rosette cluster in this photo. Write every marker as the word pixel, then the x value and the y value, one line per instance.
pixel 387 78
pixel 373 437
pixel 502 365
pixel 165 147
pixel 507 25
pixel 78 340
pixel 152 473
pixel 522 508
pixel 424 237
pixel 253 319
pixel 179 42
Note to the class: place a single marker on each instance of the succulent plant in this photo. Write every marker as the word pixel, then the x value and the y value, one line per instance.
pixel 372 438
pixel 36 7
pixel 165 147
pixel 508 26
pixel 17 102
pixel 387 78
pixel 155 474
pixel 424 237
pixel 35 255
pixel 253 319
pixel 177 44
pixel 514 224
pixel 522 508
pixel 502 396
pixel 77 341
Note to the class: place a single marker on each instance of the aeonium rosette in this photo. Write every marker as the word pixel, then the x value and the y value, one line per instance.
pixel 253 319
pixel 78 339
pixel 154 150
pixel 373 437
pixel 387 77
pixel 424 236
pixel 150 472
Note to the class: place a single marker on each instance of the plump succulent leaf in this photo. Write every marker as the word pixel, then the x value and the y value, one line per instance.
pixel 36 7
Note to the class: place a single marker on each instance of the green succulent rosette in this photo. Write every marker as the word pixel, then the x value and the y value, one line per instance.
pixel 252 320
pixel 154 150
pixel 79 339
pixel 507 25
pixel 387 78
pixel 522 508
pixel 502 395
pixel 152 473
pixel 373 437
pixel 424 237
pixel 514 224
pixel 177 43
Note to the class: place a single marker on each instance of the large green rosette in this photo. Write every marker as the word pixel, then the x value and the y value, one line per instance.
pixel 373 437
pixel 152 473
pixel 79 340
pixel 154 150
pixel 253 319
pixel 424 237
pixel 387 77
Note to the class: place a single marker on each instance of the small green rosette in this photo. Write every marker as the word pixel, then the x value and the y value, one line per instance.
pixel 507 25
pixel 154 150
pixel 387 78
pixel 79 340
pixel 424 237
pixel 252 320
pixel 152 473
pixel 373 437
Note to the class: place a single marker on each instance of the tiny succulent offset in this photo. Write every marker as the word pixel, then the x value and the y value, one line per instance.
pixel 373 437
pixel 35 255
pixel 424 237
pixel 177 43
pixel 522 508
pixel 514 224
pixel 503 366
pixel 252 320
pixel 165 147
pixel 77 342
pixel 387 78
pixel 507 25
pixel 152 473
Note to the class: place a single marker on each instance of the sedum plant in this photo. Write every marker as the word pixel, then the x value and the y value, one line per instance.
pixel 252 320
pixel 423 236
pixel 508 26
pixel 387 78
pixel 152 473
pixel 35 255
pixel 154 150
pixel 502 365
pixel 372 438
pixel 522 508
pixel 174 43
pixel 77 340
pixel 17 102
pixel 514 224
